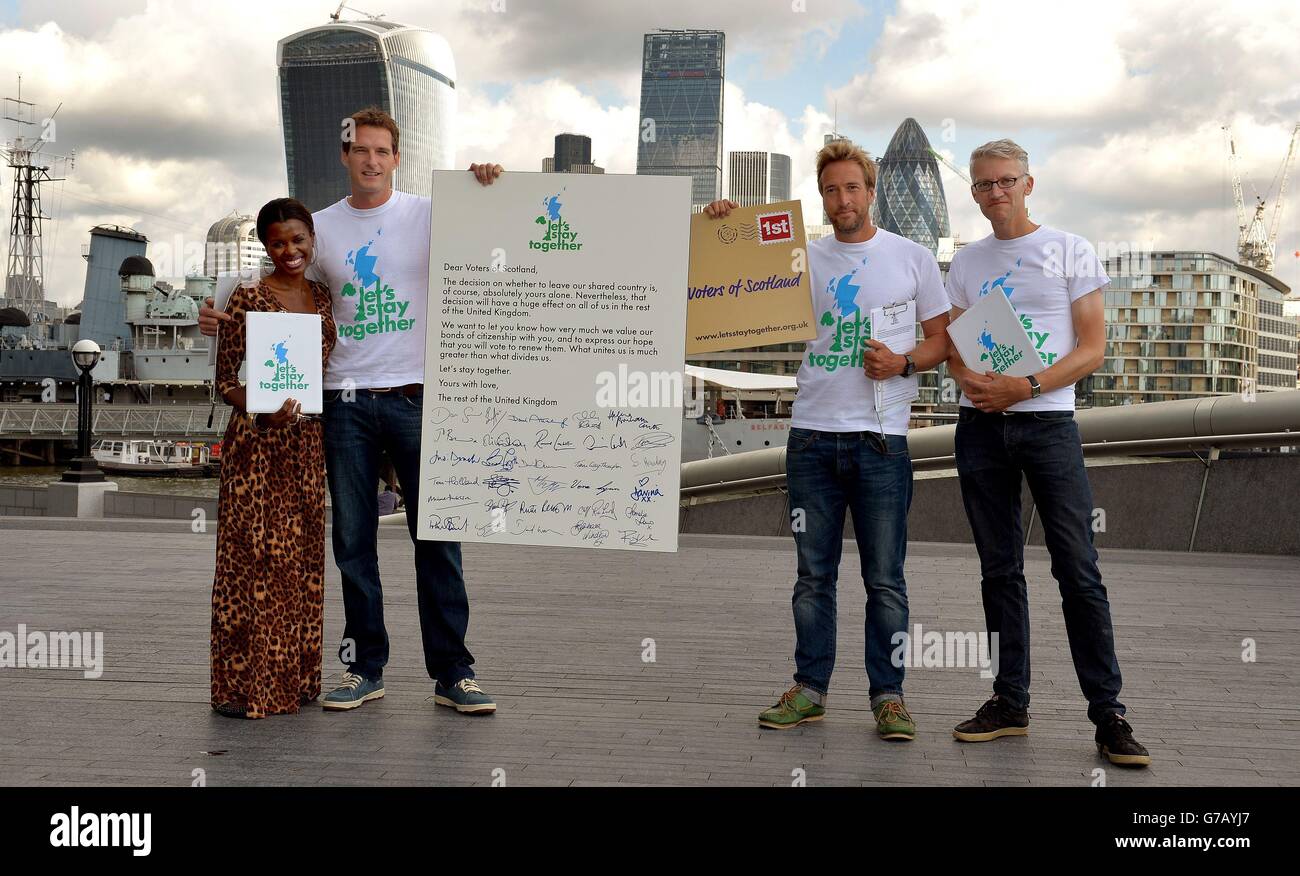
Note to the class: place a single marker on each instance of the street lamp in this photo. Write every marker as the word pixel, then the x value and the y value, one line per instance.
pixel 85 355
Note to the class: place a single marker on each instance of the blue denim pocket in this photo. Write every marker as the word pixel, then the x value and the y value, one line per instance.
pixel 1053 416
pixel 800 439
pixel 895 445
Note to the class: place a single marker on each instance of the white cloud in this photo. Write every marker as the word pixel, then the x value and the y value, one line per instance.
pixel 171 106
pixel 1120 104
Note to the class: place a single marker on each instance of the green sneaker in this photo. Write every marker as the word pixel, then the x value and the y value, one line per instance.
pixel 893 721
pixel 791 710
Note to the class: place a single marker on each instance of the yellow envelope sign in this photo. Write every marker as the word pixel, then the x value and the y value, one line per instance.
pixel 748 282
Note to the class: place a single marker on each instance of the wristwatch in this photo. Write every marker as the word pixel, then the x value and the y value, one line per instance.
pixel 910 368
pixel 1035 389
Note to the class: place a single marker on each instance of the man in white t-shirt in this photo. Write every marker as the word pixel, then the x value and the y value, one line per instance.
pixel 845 455
pixel 372 251
pixel 1014 427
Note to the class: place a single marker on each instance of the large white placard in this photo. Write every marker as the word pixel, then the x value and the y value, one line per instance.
pixel 554 360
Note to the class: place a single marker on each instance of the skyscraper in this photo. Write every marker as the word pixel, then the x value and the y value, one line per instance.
pixel 329 72
pixel 909 195
pixel 571 149
pixel 758 177
pixel 680 132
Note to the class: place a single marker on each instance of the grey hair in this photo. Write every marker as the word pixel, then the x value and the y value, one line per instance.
pixel 1001 149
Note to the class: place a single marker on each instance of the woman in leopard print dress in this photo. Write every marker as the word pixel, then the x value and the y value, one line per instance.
pixel 268 591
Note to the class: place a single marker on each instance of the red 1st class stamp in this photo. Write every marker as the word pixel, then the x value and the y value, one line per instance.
pixel 775 228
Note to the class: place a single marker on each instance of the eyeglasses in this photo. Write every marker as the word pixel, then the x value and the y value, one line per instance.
pixel 1005 182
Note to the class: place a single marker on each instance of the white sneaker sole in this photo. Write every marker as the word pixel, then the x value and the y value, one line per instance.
pixel 343 707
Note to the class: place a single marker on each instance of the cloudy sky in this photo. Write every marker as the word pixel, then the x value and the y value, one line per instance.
pixel 170 105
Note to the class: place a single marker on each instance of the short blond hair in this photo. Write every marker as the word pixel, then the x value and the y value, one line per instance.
pixel 1003 148
pixel 843 150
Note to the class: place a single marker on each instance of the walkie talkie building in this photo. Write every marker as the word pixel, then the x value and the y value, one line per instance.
pixel 327 73
pixel 909 193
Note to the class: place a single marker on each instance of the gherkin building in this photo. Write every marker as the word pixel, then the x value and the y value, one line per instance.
pixel 909 194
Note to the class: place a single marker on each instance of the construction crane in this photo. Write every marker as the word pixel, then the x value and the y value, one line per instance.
pixel 334 16
pixel 948 164
pixel 1256 238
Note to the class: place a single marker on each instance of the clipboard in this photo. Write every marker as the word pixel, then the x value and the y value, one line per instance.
pixel 894 325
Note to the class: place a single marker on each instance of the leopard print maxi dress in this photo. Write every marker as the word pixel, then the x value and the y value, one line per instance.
pixel 268 591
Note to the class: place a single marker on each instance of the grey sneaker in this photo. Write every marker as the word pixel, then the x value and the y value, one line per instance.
pixel 464 696
pixel 354 691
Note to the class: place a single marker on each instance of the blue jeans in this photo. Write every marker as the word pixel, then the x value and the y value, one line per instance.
pixel 828 473
pixel 356 433
pixel 993 452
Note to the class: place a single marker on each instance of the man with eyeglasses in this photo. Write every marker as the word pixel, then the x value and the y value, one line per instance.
pixel 844 454
pixel 1011 428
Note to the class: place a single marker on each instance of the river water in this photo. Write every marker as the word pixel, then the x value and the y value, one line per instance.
pixel 41 475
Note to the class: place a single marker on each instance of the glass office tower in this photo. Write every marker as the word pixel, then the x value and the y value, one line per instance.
pixel 329 72
pixel 571 149
pixel 909 194
pixel 758 177
pixel 680 130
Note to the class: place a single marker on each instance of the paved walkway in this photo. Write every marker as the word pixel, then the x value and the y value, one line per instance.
pixel 559 635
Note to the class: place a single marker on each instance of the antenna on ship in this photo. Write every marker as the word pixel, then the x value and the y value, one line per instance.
pixel 25 273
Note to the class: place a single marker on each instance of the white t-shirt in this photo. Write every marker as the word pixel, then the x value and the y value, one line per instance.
pixel 376 263
pixel 1042 274
pixel 848 280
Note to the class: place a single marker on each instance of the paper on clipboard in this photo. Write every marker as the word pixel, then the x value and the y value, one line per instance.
pixel 989 337
pixel 894 325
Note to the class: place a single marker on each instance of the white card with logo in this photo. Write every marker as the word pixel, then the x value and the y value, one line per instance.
pixel 283 355
pixel 990 337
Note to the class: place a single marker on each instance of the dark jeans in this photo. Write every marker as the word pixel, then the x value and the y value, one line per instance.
pixel 993 452
pixel 828 473
pixel 356 433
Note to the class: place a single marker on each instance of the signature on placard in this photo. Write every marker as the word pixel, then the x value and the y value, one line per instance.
pixel 651 440
pixel 636 536
pixel 541 484
pixel 637 516
pixel 590 531
pixel 614 442
pixel 643 492
pixel 452 523
pixel 603 509
pixel 502 485
pixel 652 464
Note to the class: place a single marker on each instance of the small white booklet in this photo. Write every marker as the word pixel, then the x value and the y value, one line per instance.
pixel 989 337
pixel 283 352
pixel 894 325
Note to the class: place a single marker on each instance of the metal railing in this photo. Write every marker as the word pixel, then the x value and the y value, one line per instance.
pixel 113 421
pixel 1270 419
